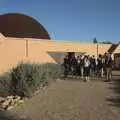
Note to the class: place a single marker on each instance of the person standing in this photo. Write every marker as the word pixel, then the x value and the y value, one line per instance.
pixel 82 66
pixel 73 64
pixel 78 65
pixel 109 63
pixel 103 66
pixel 99 65
pixel 93 65
pixel 86 68
pixel 66 65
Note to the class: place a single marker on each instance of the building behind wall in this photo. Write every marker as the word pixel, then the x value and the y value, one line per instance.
pixel 29 41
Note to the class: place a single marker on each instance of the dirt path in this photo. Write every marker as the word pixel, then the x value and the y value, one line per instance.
pixel 73 100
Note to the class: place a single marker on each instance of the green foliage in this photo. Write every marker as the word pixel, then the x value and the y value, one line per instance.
pixel 26 78
pixel 107 42
pixel 5 83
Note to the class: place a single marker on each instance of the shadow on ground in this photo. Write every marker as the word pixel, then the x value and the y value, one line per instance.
pixel 114 100
pixel 5 115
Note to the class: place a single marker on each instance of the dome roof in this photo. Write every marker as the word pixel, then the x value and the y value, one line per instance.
pixel 21 26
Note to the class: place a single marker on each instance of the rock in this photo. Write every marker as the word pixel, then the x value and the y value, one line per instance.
pixel 10 107
pixel 58 80
pixel 10 97
pixel 37 92
pixel 44 88
pixel 2 99
pixel 23 117
pixel 11 101
pixel 18 98
pixel 6 103
pixel 21 101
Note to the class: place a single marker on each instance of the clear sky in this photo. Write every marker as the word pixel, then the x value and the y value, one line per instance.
pixel 72 19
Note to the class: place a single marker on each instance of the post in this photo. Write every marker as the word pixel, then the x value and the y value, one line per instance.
pixel 97 50
pixel 26 48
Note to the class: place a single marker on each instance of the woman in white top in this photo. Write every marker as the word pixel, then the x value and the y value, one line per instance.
pixel 86 68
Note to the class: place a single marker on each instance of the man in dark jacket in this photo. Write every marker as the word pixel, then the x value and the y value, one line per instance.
pixel 66 65
pixel 109 63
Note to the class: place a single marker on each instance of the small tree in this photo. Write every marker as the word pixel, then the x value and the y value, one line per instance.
pixel 95 40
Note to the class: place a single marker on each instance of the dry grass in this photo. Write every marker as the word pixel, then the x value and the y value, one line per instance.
pixel 71 100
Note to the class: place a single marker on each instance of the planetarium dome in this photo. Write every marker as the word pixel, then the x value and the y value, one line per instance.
pixel 21 26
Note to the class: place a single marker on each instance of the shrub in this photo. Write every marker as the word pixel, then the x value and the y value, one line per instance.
pixel 26 77
pixel 5 83
pixel 53 70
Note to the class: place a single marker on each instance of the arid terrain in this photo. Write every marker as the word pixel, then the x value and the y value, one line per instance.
pixel 75 100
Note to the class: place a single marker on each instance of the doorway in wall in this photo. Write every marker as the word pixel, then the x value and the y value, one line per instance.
pixel 117 60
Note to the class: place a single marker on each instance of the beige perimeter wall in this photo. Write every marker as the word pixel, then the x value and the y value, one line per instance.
pixel 15 50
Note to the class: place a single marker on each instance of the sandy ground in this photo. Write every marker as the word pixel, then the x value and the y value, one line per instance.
pixel 74 100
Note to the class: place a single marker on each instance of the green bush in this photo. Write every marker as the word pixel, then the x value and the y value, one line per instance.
pixel 5 83
pixel 26 77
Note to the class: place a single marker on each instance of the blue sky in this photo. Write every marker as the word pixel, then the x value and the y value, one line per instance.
pixel 72 19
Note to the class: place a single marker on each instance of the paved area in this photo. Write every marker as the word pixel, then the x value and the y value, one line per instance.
pixel 74 100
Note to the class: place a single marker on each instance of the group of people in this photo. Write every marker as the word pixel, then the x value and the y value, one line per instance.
pixel 87 66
